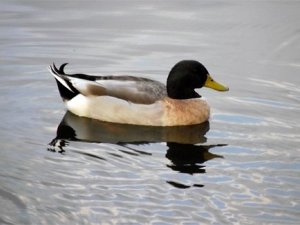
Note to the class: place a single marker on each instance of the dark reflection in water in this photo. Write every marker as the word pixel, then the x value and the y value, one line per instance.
pixel 184 152
pixel 187 158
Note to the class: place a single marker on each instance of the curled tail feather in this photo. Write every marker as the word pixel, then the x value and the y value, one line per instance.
pixel 65 87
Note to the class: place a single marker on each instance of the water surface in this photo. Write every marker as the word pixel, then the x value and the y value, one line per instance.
pixel 240 168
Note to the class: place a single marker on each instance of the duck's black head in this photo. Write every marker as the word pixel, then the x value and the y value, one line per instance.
pixel 188 75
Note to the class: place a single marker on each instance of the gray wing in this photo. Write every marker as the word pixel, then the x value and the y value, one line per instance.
pixel 134 89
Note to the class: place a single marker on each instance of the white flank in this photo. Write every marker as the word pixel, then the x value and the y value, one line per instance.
pixel 111 109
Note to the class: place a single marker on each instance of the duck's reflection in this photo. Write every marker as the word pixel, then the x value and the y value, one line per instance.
pixel 184 152
pixel 187 158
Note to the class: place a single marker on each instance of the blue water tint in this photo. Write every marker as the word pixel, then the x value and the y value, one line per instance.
pixel 268 102
pixel 218 134
pixel 240 196
pixel 237 118
pixel 269 165
pixel 218 203
pixel 228 150
pixel 218 179
pixel 290 180
pixel 280 192
pixel 278 219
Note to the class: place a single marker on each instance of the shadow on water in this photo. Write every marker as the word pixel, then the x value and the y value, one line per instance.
pixel 184 151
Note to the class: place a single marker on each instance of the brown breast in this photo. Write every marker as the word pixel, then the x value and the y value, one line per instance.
pixel 185 112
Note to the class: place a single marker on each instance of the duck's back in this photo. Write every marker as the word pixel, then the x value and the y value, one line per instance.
pixel 133 89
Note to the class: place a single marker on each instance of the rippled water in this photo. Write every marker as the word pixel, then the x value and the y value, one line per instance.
pixel 240 168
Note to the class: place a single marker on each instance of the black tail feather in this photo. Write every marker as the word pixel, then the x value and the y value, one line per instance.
pixel 61 68
pixel 64 92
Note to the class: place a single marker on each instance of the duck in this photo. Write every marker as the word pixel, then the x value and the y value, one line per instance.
pixel 139 100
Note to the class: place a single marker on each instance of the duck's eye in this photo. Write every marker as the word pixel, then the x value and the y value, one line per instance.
pixel 209 78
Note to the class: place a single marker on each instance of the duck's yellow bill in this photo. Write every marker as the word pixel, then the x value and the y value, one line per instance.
pixel 210 83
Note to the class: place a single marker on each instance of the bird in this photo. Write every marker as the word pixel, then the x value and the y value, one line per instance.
pixel 139 100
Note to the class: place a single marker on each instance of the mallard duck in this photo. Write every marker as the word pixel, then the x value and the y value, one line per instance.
pixel 137 100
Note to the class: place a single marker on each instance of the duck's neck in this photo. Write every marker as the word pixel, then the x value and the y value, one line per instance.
pixel 182 93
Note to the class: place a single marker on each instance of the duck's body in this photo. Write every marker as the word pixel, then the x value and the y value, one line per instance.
pixel 163 112
pixel 134 100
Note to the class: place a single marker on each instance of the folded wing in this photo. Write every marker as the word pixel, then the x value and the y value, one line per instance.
pixel 133 89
